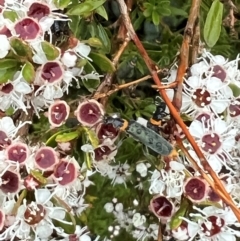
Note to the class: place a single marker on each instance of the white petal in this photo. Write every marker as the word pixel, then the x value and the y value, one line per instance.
pixel 213 84
pixel 83 50
pixel 219 106
pixel 196 129
pixel 44 231
pixel 220 125
pixel 85 237
pixel 42 195
pixel 214 163
pixel 176 166
pixel 23 88
pixel 6 124
pixel 194 81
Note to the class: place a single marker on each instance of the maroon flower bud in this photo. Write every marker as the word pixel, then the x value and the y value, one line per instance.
pixel 38 10
pixel 27 29
pixel 105 131
pixel 10 182
pixel 162 207
pixel 105 152
pixel 89 112
pixel 46 158
pixel 17 152
pixel 196 189
pixel 66 172
pixel 58 113
pixel 52 72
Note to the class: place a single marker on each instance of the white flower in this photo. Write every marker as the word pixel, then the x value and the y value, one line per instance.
pixel 213 224
pixel 36 216
pixel 142 169
pixel 82 50
pixel 138 220
pixel 216 139
pixel 109 207
pixel 13 94
pixel 119 174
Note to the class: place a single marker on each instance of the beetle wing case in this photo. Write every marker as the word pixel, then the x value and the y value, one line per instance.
pixel 150 138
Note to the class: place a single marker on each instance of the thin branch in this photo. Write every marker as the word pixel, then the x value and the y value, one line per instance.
pixel 184 52
pixel 123 86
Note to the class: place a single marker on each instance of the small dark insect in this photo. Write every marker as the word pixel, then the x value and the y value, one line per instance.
pixel 145 135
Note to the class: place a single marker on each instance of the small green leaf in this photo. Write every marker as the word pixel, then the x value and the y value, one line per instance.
pixel 176 220
pixel 102 62
pixel 178 12
pixel 102 34
pixel 235 89
pixel 66 137
pixel 7 74
pixel 91 84
pixel 50 50
pixel 11 15
pixel 62 3
pixel 5 64
pixel 85 7
pixel 148 12
pixel 212 27
pixel 39 176
pixel 21 48
pixel 102 12
pixel 52 139
pixel 28 72
pixel 155 18
pixel 91 136
pixel 9 111
pixel 94 42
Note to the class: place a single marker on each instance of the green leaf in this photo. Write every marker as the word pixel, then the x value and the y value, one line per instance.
pixel 61 3
pixel 176 219
pixel 102 62
pixel 90 84
pixel 212 27
pixel 138 22
pixel 52 139
pixel 94 42
pixel 148 12
pixel 7 74
pixel 66 137
pixel 91 136
pixel 21 48
pixel 155 18
pixel 235 89
pixel 11 15
pixel 5 64
pixel 178 12
pixel 102 34
pixel 102 12
pixel 164 11
pixel 38 176
pixel 85 7
pixel 50 50
pixel 28 72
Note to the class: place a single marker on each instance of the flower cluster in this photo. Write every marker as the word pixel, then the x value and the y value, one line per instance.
pixel 48 71
pixel 87 179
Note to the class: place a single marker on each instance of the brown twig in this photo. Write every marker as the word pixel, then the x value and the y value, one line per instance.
pixel 184 52
pixel 107 82
pixel 217 186
pixel 120 87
